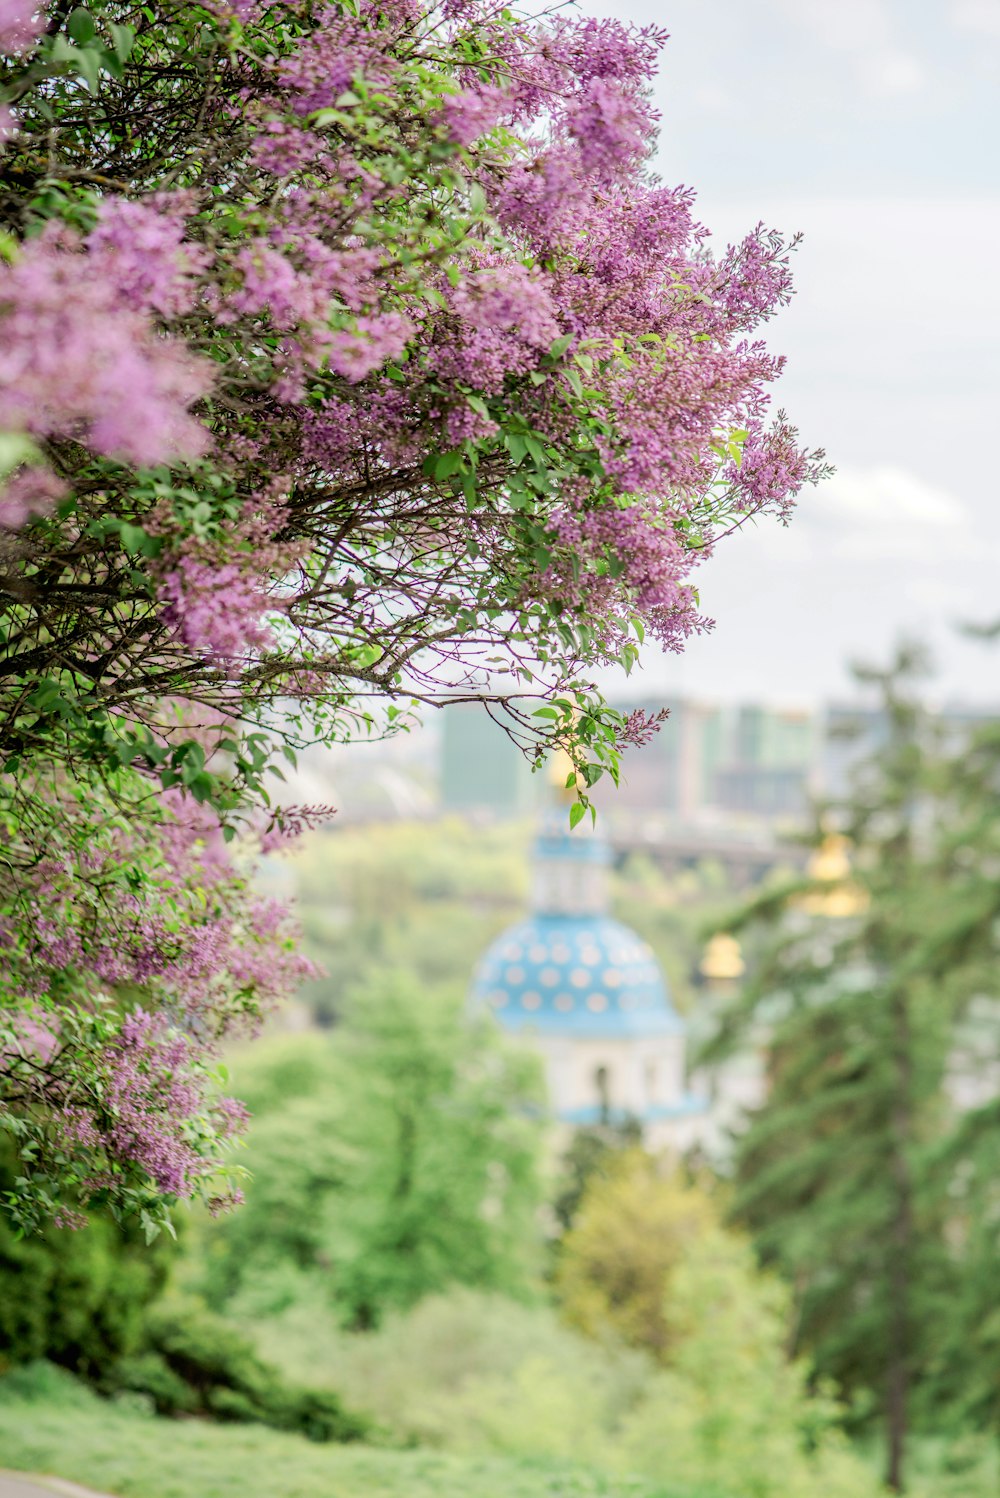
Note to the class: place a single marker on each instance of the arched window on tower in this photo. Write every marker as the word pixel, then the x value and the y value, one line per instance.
pixel 602 1086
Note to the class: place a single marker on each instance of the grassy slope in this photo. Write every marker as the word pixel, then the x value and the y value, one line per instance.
pixel 138 1456
pixel 74 1435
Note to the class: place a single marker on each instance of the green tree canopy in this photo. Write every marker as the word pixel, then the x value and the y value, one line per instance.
pixel 390 1159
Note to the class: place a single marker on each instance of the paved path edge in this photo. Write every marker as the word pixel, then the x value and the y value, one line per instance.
pixel 45 1484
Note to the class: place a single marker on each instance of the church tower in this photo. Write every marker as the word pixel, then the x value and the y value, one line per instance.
pixel 588 992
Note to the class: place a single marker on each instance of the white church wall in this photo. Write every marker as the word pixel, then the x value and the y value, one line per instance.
pixel 639 1072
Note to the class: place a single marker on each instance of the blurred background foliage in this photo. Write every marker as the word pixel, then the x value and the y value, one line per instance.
pixel 423 1273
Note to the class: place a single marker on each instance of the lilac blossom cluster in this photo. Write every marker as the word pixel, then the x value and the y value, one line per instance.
pixel 627 280
pixel 217 609
pixel 79 357
pixel 134 1099
pixel 192 931
pixel 20 23
pixel 129 1089
pixel 425 368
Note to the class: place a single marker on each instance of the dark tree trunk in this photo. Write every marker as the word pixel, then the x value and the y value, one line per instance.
pixel 901 1250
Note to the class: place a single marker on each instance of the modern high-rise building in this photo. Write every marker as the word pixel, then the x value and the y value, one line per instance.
pixel 482 769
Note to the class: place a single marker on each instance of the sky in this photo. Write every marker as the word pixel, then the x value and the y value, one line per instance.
pixel 873 127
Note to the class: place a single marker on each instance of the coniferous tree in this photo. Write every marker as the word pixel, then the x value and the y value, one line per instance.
pixel 964 935
pixel 835 1172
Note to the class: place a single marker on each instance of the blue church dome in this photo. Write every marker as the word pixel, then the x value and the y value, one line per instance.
pixel 570 968
pixel 572 974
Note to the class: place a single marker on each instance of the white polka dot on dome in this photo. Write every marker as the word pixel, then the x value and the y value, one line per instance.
pixel 597 1002
pixel 549 977
pixel 514 975
pixel 531 1000
pixel 580 978
pixel 627 1000
pixel 611 977
pixel 590 955
pixel 513 952
pixel 498 998
pixel 564 1001
pixel 538 953
pixel 560 952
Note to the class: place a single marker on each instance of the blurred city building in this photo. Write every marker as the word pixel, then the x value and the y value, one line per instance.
pixel 482 770
pixel 711 765
pixel 731 786
pixel 747 761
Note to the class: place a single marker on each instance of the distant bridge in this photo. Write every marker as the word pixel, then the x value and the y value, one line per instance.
pixel 745 860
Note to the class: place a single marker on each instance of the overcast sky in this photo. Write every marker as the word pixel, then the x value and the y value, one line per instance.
pixel 872 126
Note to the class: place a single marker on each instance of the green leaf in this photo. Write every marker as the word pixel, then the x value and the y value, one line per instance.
pixel 201 786
pixel 81 25
pixel 576 813
pixel 123 39
pixel 150 1226
pixel 442 465
pixel 132 536
pixel 446 464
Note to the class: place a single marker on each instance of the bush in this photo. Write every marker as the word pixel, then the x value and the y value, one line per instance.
pixel 195 1363
pixel 632 1228
pixel 649 1259
pixel 75 1298
pixel 43 1383
pixel 470 1371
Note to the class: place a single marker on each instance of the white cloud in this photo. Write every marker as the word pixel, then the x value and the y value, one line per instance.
pixel 889 74
pixel 882 515
pixel 877 515
pixel 891 506
pixel 876 554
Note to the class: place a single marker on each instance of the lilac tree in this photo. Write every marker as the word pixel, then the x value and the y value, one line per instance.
pixel 351 360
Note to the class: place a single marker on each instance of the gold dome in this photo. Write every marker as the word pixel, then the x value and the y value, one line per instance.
pixel 722 961
pixel 830 861
pixel 830 865
pixel 561 767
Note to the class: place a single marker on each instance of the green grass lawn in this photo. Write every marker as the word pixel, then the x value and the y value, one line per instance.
pixel 133 1455
pixel 51 1424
